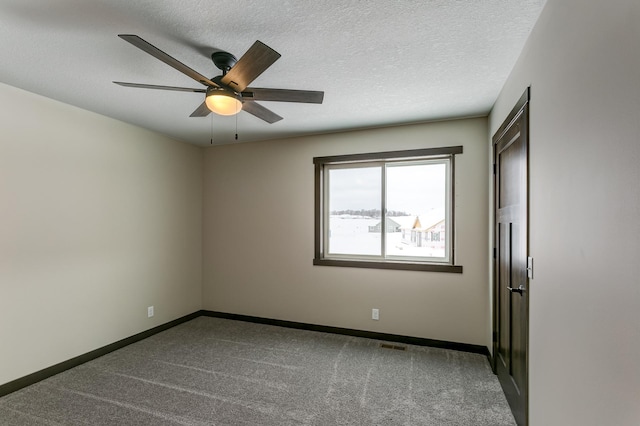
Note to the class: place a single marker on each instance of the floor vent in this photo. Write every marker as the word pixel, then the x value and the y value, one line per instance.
pixel 389 346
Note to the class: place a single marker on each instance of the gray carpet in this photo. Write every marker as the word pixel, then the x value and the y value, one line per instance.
pixel 212 371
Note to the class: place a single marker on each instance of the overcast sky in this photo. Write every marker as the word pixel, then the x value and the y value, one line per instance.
pixel 414 189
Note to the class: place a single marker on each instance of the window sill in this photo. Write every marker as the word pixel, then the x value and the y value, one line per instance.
pixel 403 266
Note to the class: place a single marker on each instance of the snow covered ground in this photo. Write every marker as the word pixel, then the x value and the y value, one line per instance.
pixel 350 235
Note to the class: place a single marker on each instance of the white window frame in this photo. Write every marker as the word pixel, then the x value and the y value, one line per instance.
pixel 384 160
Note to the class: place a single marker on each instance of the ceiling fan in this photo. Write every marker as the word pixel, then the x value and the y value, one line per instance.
pixel 228 94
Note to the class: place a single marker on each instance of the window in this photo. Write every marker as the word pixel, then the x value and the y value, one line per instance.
pixel 390 210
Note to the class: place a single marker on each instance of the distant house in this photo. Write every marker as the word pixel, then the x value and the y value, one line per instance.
pixel 392 226
pixel 430 231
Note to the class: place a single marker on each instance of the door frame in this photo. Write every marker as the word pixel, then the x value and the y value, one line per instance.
pixel 521 107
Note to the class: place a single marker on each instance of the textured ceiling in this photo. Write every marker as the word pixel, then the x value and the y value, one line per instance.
pixel 382 62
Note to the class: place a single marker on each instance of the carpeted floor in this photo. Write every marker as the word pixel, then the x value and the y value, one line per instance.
pixel 212 371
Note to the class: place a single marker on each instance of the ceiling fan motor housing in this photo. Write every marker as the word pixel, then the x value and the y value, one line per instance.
pixel 224 92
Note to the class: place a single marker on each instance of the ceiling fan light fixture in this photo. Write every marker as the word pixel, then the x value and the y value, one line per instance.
pixel 223 102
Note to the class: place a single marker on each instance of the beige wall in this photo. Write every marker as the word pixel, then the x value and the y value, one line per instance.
pixel 258 239
pixel 98 220
pixel 583 64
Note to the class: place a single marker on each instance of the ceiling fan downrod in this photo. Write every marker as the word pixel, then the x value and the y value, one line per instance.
pixel 224 61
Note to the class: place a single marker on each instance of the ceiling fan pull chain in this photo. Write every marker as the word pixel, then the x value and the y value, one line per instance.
pixel 237 123
pixel 211 129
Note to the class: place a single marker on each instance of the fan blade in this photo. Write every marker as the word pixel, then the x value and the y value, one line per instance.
pixel 169 60
pixel 201 111
pixel 258 58
pixel 283 95
pixel 260 112
pixel 153 86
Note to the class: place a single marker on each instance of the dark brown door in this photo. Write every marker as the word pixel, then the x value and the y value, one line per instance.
pixel 511 289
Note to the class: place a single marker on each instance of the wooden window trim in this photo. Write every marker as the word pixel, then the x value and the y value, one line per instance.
pixel 320 162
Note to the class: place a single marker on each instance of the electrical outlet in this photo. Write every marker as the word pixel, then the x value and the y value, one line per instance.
pixel 149 311
pixel 375 314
